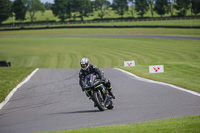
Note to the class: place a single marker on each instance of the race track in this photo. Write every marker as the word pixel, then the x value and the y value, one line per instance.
pixel 52 100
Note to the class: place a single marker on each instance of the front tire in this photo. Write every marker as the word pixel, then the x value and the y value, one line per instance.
pixel 96 98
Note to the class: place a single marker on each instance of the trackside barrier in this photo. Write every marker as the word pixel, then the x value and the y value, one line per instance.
pixel 52 23
pixel 59 27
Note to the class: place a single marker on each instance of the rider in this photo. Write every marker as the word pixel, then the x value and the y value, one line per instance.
pixel 87 68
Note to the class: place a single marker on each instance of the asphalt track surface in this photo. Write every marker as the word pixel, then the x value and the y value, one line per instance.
pixel 52 100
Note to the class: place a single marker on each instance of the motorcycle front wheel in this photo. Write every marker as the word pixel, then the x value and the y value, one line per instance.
pixel 98 101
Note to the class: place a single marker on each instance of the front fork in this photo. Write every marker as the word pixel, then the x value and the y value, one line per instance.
pixel 103 95
pixel 108 99
pixel 90 93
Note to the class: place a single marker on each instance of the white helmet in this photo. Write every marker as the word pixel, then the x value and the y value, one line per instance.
pixel 85 63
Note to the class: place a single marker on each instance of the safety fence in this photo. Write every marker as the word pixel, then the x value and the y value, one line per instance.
pixel 92 22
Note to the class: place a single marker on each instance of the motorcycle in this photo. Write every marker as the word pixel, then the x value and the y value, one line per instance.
pixel 98 92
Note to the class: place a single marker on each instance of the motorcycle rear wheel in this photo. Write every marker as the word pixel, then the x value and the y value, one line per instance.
pixel 98 102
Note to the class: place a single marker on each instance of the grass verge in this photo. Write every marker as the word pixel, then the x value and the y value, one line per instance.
pixel 180 57
pixel 189 124
pixel 99 31
pixel 10 77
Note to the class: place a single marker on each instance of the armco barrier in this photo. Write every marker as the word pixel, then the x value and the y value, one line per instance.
pixel 105 20
pixel 60 27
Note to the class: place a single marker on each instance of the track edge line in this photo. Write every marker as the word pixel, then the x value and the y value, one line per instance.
pixel 16 88
pixel 159 82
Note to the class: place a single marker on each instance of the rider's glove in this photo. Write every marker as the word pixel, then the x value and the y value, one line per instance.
pixel 85 87
pixel 102 79
pixel 106 81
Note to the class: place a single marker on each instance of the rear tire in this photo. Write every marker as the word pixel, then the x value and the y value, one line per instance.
pixel 98 101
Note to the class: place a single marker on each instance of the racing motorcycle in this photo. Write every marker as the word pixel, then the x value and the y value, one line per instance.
pixel 98 92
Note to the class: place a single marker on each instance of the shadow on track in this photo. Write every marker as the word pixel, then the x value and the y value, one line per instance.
pixel 77 112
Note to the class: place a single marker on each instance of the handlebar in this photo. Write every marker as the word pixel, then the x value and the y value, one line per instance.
pixel 95 84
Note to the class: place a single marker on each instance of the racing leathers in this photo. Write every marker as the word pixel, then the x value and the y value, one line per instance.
pixel 92 69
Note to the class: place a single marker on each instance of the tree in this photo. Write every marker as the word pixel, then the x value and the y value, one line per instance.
pixel 171 6
pixel 182 6
pixel 19 10
pixel 101 6
pixel 93 5
pixel 62 9
pixel 5 10
pixel 132 5
pixel 195 6
pixel 151 4
pixel 141 6
pixel 33 7
pixel 160 7
pixel 47 5
pixel 121 6
pixel 83 7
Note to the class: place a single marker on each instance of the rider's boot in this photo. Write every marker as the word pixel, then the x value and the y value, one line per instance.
pixel 88 95
pixel 110 92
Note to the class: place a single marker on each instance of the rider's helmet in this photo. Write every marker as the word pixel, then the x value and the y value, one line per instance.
pixel 85 63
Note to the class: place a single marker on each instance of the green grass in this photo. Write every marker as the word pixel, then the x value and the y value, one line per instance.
pixel 46 16
pixel 188 124
pixel 180 57
pixel 148 22
pixel 10 77
pixel 102 31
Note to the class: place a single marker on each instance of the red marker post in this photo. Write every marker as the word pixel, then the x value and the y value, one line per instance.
pixel 68 23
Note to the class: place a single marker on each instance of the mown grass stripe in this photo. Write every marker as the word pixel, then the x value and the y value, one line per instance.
pixel 181 57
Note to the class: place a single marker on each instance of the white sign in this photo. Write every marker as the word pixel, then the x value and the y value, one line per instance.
pixel 156 69
pixel 129 63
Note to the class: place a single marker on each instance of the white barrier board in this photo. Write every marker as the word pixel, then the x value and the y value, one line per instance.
pixel 156 69
pixel 129 63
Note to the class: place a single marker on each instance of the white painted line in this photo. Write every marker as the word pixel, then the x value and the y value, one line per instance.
pixel 15 89
pixel 158 82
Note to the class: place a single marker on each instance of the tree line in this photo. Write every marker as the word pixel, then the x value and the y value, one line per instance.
pixel 66 9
